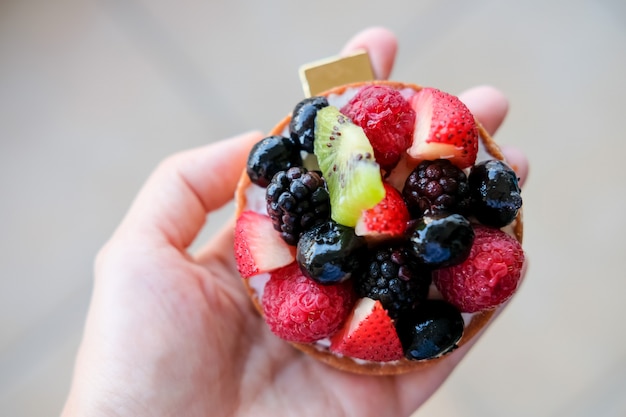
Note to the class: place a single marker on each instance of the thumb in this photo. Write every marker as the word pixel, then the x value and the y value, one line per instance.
pixel 173 203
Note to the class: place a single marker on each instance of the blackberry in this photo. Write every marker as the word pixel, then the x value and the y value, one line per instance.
pixel 495 193
pixel 435 187
pixel 297 199
pixel 270 155
pixel 302 123
pixel 391 276
pixel 329 252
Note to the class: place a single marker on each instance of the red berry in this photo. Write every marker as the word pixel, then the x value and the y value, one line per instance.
pixel 444 129
pixel 387 119
pixel 387 219
pixel 298 309
pixel 258 247
pixel 369 334
pixel 488 277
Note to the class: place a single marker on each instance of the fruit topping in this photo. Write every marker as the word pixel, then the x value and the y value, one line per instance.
pixel 488 277
pixel 270 155
pixel 390 275
pixel 302 123
pixel 494 193
pixel 387 119
pixel 329 252
pixel 298 309
pixel 258 248
pixel 440 241
pixel 386 220
pixel 368 334
pixel 433 329
pixel 346 159
pixel 297 200
pixel 436 187
pixel 444 129
pixel 371 210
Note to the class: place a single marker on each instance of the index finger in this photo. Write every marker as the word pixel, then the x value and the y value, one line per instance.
pixel 380 43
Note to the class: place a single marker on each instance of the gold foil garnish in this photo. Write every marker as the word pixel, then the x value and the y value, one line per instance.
pixel 327 73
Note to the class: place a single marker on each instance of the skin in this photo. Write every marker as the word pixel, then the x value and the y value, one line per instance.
pixel 171 333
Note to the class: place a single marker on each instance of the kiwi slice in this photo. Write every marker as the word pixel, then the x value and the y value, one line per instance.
pixel 346 159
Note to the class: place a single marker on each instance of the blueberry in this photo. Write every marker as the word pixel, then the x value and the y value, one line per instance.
pixel 302 124
pixel 431 330
pixel 441 241
pixel 494 193
pixel 269 156
pixel 329 252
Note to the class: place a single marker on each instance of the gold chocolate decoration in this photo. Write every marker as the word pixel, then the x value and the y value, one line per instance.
pixel 327 73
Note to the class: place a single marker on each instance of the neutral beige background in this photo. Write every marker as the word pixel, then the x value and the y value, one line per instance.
pixel 94 93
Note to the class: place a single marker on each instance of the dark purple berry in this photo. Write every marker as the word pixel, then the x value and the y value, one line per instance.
pixel 270 155
pixel 495 194
pixel 438 242
pixel 297 200
pixel 302 123
pixel 431 330
pixel 329 252
pixel 390 275
pixel 436 187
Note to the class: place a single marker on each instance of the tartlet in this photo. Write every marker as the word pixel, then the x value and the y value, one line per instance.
pixel 251 197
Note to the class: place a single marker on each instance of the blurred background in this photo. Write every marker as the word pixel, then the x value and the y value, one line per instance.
pixel 94 93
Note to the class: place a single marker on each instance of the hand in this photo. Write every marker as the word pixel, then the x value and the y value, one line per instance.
pixel 174 334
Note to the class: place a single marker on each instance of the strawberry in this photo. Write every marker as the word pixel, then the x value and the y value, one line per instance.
pixel 444 129
pixel 368 334
pixel 258 247
pixel 387 219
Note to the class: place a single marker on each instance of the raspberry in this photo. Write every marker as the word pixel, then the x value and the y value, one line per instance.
pixel 488 277
pixel 435 187
pixel 387 119
pixel 391 276
pixel 297 200
pixel 298 309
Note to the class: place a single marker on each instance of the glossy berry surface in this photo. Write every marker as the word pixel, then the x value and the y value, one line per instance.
pixel 387 119
pixel 433 329
pixel 302 123
pixel 488 277
pixel 297 200
pixel 436 187
pixel 298 309
pixel 390 275
pixel 441 241
pixel 495 193
pixel 329 252
pixel 270 155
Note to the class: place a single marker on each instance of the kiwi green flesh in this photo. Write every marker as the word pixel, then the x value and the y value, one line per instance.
pixel 346 159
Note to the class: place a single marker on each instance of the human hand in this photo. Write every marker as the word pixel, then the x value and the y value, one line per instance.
pixel 174 333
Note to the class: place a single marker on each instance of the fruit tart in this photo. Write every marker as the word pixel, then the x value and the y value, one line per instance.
pixel 378 227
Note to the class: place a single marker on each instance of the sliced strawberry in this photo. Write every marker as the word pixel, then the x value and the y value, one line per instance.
pixel 444 129
pixel 258 247
pixel 369 334
pixel 387 219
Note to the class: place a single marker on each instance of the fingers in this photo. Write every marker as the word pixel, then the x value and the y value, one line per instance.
pixel 487 104
pixel 175 200
pixel 518 161
pixel 381 45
